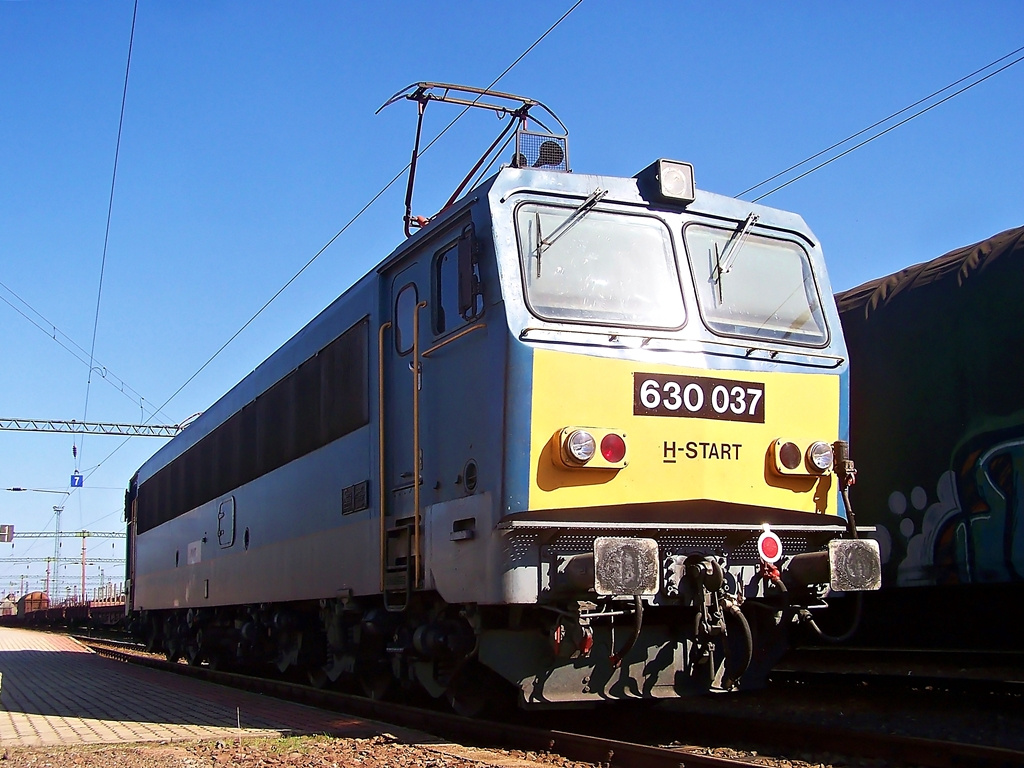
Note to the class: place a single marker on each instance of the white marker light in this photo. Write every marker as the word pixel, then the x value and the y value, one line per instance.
pixel 819 456
pixel 581 446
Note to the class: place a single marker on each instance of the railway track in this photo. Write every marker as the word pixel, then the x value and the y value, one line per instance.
pixel 587 746
pixel 579 747
pixel 958 672
pixel 963 661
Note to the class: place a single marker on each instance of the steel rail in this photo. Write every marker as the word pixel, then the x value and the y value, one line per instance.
pixel 973 673
pixel 572 746
pixel 849 742
pixel 858 656
pixel 899 750
pixel 881 681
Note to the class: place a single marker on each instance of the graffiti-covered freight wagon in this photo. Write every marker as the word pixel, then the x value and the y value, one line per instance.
pixel 937 425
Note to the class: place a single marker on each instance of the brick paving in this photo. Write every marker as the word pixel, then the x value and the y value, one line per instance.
pixel 55 691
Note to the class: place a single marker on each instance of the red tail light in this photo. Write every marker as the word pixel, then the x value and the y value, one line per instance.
pixel 613 448
pixel 790 456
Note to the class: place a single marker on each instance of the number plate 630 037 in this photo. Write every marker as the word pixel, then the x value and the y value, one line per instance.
pixel 697 397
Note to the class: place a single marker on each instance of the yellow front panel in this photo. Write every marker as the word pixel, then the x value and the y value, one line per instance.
pixel 670 457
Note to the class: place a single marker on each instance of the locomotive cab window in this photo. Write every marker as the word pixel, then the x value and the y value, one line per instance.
pixel 755 286
pixel 457 295
pixel 595 266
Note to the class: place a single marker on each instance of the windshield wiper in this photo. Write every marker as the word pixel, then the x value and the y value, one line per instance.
pixel 724 262
pixel 732 248
pixel 543 243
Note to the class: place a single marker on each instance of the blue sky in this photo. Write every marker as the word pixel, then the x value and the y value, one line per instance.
pixel 250 139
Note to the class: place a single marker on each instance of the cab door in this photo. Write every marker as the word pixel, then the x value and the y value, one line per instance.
pixel 432 298
pixel 401 427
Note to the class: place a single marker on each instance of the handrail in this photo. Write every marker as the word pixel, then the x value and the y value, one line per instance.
pixel 380 453
pixel 416 439
pixel 449 340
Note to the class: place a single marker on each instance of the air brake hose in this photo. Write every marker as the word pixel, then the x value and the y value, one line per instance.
pixel 858 607
pixel 616 658
pixel 734 611
pixel 847 474
pixel 851 520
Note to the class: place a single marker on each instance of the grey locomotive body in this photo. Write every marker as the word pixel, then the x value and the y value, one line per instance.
pixel 405 491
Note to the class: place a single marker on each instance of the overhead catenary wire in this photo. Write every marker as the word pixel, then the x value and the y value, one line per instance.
pixel 496 80
pixel 52 332
pixel 358 214
pixel 103 259
pixel 338 234
pixel 882 122
pixel 106 235
pixel 373 200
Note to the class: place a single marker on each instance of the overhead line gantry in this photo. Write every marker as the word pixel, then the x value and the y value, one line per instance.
pixel 91 427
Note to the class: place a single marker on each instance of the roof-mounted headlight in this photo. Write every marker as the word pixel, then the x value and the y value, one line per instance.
pixel 668 180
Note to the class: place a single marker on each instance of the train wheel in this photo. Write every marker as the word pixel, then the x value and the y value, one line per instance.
pixel 467 702
pixel 152 638
pixel 475 691
pixel 194 649
pixel 317 678
pixel 377 683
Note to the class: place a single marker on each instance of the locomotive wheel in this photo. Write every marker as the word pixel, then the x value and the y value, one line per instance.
pixel 377 684
pixel 467 701
pixel 475 691
pixel 317 678
pixel 152 639
pixel 194 649
pixel 377 687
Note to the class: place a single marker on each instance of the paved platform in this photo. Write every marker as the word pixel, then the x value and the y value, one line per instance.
pixel 55 691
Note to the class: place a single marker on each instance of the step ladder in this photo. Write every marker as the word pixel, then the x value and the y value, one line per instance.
pixel 399 566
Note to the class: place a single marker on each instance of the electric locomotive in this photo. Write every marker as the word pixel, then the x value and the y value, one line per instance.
pixel 576 434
